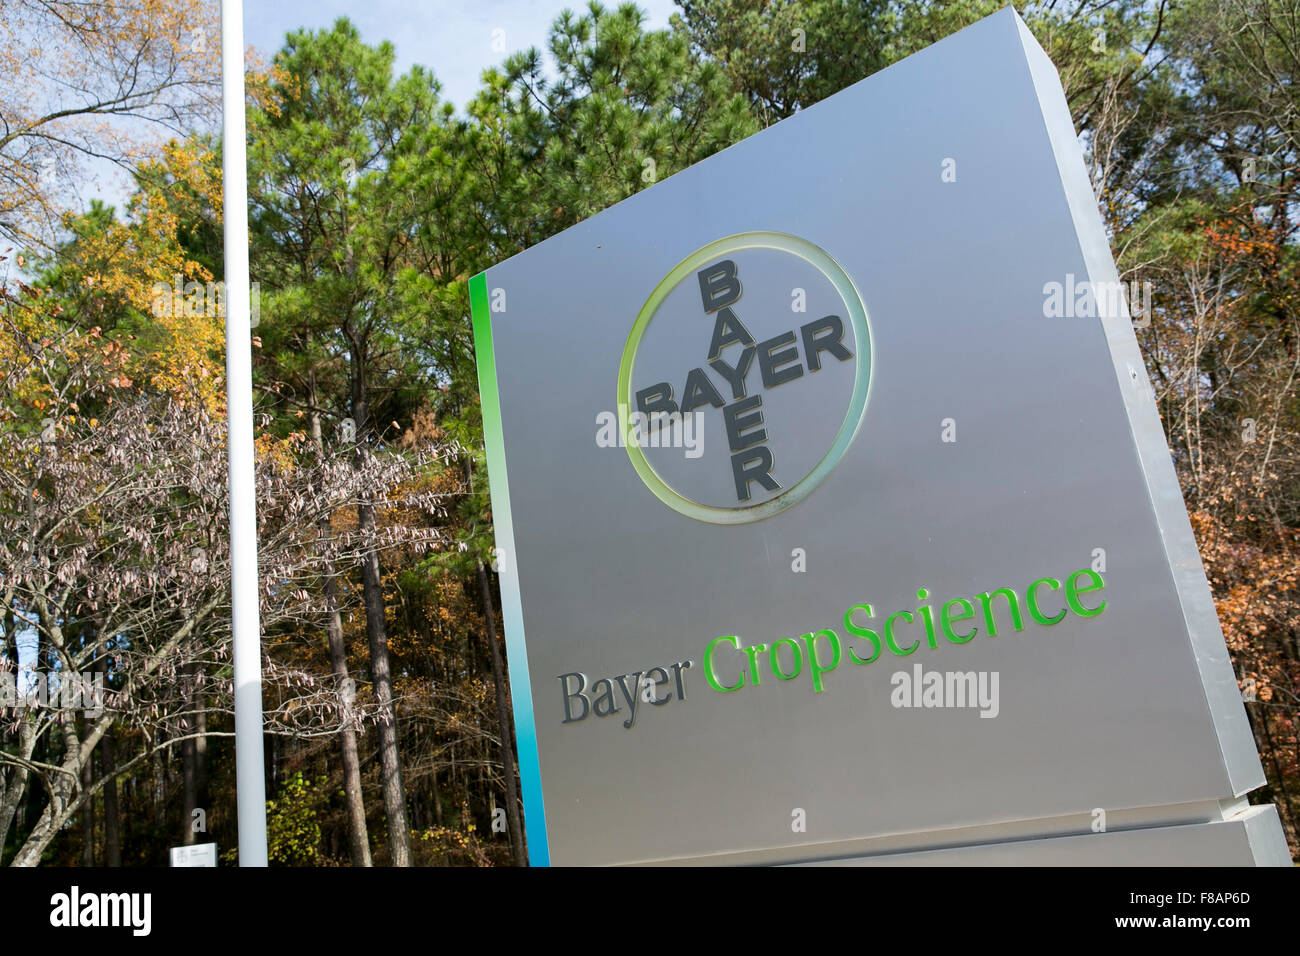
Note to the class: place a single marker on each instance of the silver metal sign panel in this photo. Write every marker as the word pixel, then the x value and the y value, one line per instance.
pixel 832 505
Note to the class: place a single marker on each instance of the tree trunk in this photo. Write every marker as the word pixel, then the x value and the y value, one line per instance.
pixel 87 818
pixel 358 837
pixel 517 844
pixel 12 798
pixel 61 792
pixel 108 764
pixel 399 839
pixel 189 780
pixel 201 750
pixel 399 834
pixel 437 797
pixel 112 820
pixel 159 788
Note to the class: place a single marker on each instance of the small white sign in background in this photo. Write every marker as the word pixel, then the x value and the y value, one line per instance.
pixel 201 854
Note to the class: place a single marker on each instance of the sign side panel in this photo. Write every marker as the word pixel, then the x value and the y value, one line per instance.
pixel 521 688
pixel 1223 696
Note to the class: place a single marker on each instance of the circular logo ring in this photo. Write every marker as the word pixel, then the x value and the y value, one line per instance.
pixel 852 417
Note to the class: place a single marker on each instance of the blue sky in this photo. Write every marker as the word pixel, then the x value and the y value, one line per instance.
pixel 454 38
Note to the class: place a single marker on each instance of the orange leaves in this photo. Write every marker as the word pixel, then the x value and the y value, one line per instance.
pixel 1254 572
pixel 1245 236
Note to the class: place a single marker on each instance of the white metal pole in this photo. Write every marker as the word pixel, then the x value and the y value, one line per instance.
pixel 249 772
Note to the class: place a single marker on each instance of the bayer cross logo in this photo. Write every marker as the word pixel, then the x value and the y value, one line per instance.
pixel 766 338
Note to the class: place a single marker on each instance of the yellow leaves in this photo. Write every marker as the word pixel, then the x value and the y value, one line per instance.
pixel 191 164
pixel 271 449
pixel 141 262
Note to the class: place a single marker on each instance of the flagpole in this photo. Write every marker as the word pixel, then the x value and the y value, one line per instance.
pixel 249 772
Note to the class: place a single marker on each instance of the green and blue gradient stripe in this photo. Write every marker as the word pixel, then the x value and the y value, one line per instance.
pixel 521 688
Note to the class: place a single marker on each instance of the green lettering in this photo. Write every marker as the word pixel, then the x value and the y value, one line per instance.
pixel 889 634
pixel 814 664
pixel 863 632
pixel 927 615
pixel 1072 592
pixel 774 660
pixel 1013 602
pixel 946 619
pixel 1031 598
pixel 709 674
